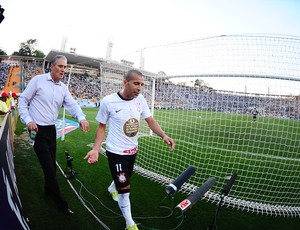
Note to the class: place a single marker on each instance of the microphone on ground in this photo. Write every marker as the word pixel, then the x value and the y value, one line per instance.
pixel 173 187
pixel 195 196
pixel 225 191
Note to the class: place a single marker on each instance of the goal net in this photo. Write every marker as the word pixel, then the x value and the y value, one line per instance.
pixel 204 93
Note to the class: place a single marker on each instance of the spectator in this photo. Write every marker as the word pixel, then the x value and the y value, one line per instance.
pixel 14 101
pixel 3 107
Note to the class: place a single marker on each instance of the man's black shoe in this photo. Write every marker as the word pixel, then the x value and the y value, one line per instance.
pixel 67 211
pixel 48 193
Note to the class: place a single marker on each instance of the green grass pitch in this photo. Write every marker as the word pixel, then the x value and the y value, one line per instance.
pixel 150 206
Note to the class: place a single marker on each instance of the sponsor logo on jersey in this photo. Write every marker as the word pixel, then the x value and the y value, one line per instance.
pixel 131 127
pixel 131 151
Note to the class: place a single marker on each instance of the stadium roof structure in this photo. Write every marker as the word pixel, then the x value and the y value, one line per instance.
pixel 266 76
pixel 75 59
pixel 97 63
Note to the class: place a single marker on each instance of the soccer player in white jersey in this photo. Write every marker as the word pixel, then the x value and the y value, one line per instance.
pixel 122 111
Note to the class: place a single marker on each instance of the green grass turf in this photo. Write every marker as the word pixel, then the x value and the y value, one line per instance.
pixel 147 197
pixel 261 153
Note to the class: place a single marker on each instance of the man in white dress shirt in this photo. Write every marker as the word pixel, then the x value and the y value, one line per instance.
pixel 39 106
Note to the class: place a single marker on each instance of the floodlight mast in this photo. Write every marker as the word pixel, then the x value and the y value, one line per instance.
pixel 142 59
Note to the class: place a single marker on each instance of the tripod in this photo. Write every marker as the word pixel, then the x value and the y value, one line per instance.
pixel 214 221
pixel 69 172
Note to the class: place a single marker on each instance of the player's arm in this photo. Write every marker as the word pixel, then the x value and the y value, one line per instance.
pixel 155 127
pixel 93 155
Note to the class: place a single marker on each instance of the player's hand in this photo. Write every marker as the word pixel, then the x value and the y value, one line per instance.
pixel 32 126
pixel 170 142
pixel 92 156
pixel 84 125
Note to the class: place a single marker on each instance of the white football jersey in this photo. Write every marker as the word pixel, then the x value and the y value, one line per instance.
pixel 123 119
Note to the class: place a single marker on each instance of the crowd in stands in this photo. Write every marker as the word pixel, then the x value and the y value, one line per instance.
pixel 8 100
pixel 30 70
pixel 83 86
pixel 90 89
pixel 171 96
pixel 4 68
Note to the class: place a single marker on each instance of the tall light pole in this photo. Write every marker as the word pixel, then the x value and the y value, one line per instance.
pixel 142 59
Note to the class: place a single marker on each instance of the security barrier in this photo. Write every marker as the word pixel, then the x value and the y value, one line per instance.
pixel 11 211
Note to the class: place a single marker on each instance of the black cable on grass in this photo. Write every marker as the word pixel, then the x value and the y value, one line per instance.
pixel 176 227
pixel 116 215
pixel 80 192
pixel 82 201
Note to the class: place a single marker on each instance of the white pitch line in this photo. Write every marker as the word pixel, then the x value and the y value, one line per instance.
pixel 82 201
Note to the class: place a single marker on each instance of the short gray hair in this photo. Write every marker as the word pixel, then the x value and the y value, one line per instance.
pixel 56 57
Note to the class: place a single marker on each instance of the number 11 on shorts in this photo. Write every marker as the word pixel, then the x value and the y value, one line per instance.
pixel 119 167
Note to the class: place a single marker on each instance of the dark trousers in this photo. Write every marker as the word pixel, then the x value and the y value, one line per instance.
pixel 45 149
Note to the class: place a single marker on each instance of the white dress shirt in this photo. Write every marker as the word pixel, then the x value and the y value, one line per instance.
pixel 41 100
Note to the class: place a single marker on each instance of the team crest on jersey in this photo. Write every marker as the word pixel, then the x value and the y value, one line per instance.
pixel 122 178
pixel 138 106
pixel 131 127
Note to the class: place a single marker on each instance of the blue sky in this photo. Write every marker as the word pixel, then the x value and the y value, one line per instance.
pixel 134 24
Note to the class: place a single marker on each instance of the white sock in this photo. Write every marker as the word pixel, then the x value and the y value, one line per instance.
pixel 112 187
pixel 124 204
